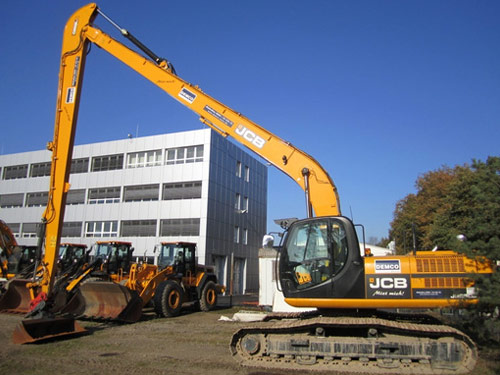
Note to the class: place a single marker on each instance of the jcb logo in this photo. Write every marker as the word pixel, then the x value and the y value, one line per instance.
pixel 388 283
pixel 250 136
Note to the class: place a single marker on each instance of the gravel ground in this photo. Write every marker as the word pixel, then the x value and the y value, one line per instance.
pixel 193 343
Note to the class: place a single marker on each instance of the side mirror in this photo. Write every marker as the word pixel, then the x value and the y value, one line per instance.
pixel 268 241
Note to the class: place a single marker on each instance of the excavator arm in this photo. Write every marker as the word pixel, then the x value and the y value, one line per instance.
pixel 79 32
pixel 7 245
pixel 7 240
pixel 298 165
pixel 321 193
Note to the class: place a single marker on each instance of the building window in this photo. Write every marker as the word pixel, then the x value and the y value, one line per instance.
pixel 40 169
pixel 144 159
pixel 79 165
pixel 15 171
pixel 30 230
pixel 15 228
pixel 138 193
pixel 236 234
pixel 237 202
pixel 75 197
pixel 247 173
pixel 245 236
pixel 11 200
pixel 101 229
pixel 138 228
pixel 104 195
pixel 180 227
pixel 220 267
pixel 37 199
pixel 107 163
pixel 181 155
pixel 181 190
pixel 244 207
pixel 238 169
pixel 72 229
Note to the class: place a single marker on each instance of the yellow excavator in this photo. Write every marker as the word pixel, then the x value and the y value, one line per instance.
pixel 320 264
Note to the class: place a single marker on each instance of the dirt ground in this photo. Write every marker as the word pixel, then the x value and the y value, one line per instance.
pixel 193 343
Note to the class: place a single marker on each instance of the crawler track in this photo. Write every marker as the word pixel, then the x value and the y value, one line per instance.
pixel 357 345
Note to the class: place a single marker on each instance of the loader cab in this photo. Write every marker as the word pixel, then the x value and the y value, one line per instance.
pixel 115 255
pixel 21 261
pixel 72 254
pixel 27 260
pixel 320 258
pixel 180 255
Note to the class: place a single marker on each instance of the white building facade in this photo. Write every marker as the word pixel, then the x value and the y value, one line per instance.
pixel 190 186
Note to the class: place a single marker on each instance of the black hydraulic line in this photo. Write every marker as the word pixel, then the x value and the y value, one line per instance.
pixel 157 59
pixel 306 173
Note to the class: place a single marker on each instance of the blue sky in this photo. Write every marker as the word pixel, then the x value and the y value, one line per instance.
pixel 379 92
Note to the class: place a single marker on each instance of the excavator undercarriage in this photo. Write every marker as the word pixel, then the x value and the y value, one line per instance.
pixel 351 344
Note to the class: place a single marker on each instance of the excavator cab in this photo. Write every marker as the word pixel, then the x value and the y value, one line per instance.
pixel 320 258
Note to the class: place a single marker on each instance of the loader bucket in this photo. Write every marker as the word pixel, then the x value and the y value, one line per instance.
pixel 106 300
pixel 16 298
pixel 35 330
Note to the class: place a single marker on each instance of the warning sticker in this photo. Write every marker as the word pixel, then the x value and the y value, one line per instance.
pixel 218 115
pixel 187 95
pixel 70 95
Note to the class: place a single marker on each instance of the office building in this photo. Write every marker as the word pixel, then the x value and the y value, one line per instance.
pixel 190 186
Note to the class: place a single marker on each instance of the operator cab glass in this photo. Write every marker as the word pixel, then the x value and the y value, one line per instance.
pixel 116 255
pixel 169 254
pixel 315 253
pixel 103 251
pixel 179 255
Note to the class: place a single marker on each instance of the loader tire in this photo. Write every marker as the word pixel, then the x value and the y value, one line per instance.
pixel 168 299
pixel 208 299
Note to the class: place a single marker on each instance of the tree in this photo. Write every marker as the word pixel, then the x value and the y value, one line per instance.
pixel 471 207
pixel 461 201
pixel 384 242
pixel 414 214
pixel 471 210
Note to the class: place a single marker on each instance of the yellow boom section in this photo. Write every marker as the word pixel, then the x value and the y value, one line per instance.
pixel 68 96
pixel 79 31
pixel 292 161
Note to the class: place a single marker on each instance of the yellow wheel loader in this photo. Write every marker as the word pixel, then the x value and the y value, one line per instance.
pixel 177 279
